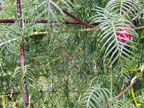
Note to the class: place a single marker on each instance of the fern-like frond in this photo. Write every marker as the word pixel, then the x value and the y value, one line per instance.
pixel 9 39
pixel 116 45
pixel 126 8
pixel 95 97
pixel 122 103
pixel 49 8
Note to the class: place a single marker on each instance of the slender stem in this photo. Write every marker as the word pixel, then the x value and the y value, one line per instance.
pixel 111 83
pixel 133 81
pixel 11 21
pixel 22 54
pixel 22 59
pixel 19 12
pixel 134 98
pixel 80 21
pixel 26 94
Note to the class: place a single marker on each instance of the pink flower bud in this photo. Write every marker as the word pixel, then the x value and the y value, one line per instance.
pixel 123 35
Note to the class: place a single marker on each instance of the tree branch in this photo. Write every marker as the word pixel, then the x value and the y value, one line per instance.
pixel 11 21
pixel 133 81
pixel 78 20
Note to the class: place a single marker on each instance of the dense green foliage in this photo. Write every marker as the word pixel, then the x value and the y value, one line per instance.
pixel 72 66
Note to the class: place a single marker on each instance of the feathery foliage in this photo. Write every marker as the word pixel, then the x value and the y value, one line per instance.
pixel 78 53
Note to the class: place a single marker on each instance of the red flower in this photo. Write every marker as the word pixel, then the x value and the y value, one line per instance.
pixel 123 35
